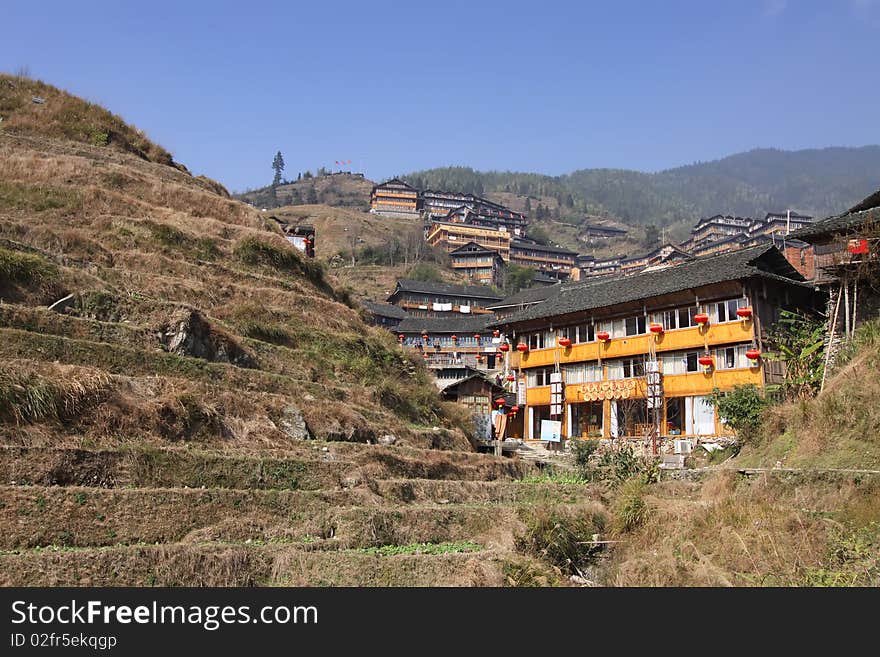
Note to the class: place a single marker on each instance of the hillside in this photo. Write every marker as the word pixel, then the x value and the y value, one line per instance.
pixel 366 253
pixel 819 182
pixel 184 400
pixel 336 189
pixel 799 506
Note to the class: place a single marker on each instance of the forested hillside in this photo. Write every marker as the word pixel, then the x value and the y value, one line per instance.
pixel 819 182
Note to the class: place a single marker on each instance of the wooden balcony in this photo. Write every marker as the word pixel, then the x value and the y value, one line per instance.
pixel 675 340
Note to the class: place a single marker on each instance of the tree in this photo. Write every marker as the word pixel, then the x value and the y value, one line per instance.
pixel 312 196
pixel 278 165
pixel 652 236
pixel 527 208
pixel 741 409
pixel 425 271
pixel 798 341
pixel 517 278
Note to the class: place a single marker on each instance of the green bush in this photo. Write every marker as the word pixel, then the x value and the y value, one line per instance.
pixel 741 409
pixel 583 450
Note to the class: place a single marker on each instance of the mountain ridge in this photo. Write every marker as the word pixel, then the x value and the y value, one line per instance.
pixel 818 181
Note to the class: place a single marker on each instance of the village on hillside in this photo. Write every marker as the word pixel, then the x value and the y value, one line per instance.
pixel 629 347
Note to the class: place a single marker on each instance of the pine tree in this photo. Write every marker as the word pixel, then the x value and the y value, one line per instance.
pixel 528 206
pixel 278 165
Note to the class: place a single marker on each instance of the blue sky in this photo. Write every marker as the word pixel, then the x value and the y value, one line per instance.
pixel 398 86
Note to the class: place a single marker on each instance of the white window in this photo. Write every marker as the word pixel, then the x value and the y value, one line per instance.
pixel 632 367
pixel 725 311
pixel 685 317
pixel 539 377
pixel 582 373
pixel 536 341
pixel 635 325
pixel 730 358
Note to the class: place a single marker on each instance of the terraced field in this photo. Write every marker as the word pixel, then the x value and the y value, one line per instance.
pixel 351 515
pixel 186 400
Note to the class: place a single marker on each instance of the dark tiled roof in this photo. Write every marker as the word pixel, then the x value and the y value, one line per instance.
pixel 873 201
pixel 463 324
pixel 469 248
pixel 517 244
pixel 384 310
pixel 527 296
pixel 868 211
pixel 395 182
pixel 543 279
pixel 429 287
pixel 766 261
pixel 476 375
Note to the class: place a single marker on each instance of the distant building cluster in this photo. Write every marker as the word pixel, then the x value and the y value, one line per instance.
pixel 473 229
pixel 715 235
pixel 482 236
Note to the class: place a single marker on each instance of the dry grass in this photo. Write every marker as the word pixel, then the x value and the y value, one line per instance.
pixel 52 393
pixel 840 428
pixel 767 533
pixel 64 116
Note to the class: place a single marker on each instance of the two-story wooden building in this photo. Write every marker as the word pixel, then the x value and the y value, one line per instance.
pixel 450 236
pixel 659 339
pixel 481 265
pixel 430 299
pixel 394 198
pixel 452 342
pixel 550 260
pixel 846 263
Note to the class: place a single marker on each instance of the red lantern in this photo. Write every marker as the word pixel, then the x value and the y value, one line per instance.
pixel 511 377
pixel 401 337
pixel 656 328
pixel 701 318
pixel 858 246
pixel 753 354
pixel 496 333
pixel 479 358
pixel 424 336
pixel 705 360
pixel 603 335
pixel 745 313
pixel 504 347
pixel 476 336
pixel 514 409
pixel 522 347
pixel 500 401
pixel 564 342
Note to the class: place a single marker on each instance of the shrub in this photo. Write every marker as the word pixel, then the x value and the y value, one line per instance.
pixel 741 409
pixel 29 397
pixel 36 198
pixel 583 450
pixel 630 509
pixel 256 252
pixel 25 267
pixel 562 538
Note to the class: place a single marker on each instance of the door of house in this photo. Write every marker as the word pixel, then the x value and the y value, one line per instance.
pixel 699 416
